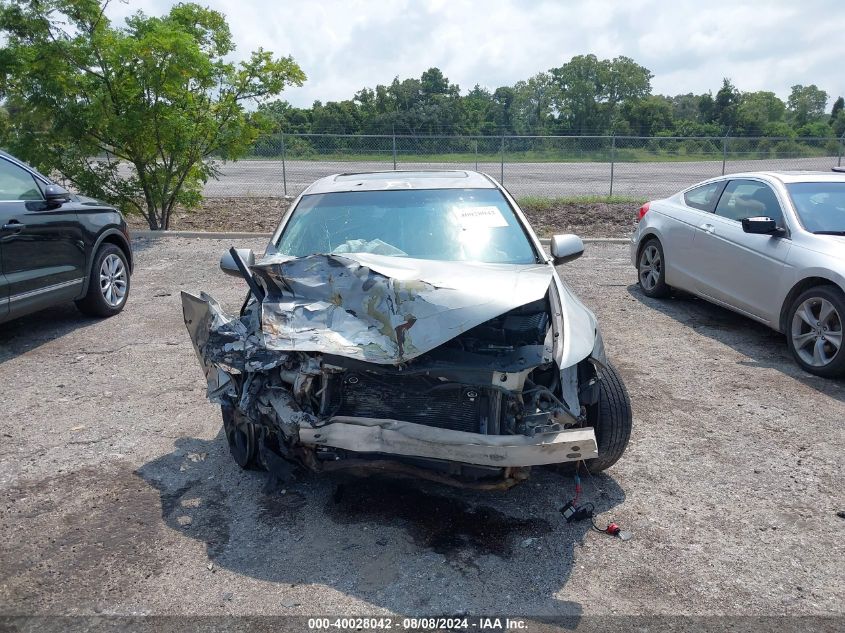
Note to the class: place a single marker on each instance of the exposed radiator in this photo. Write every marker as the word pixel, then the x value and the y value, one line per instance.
pixel 413 399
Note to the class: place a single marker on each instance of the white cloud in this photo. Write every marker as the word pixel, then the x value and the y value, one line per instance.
pixel 689 46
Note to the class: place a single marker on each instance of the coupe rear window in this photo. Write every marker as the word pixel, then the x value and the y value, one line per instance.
pixel 820 205
pixel 703 197
pixel 475 225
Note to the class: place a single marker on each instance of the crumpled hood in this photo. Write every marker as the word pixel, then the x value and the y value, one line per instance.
pixel 385 309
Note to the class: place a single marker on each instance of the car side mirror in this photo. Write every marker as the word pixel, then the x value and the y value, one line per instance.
pixel 56 195
pixel 227 263
pixel 760 226
pixel 566 248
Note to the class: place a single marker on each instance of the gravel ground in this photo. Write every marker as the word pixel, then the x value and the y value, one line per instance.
pixel 119 496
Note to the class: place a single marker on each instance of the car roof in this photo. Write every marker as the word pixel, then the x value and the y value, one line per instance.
pixel 788 177
pixel 398 179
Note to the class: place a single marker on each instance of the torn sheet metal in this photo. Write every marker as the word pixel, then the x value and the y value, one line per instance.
pixel 225 346
pixel 395 437
pixel 383 309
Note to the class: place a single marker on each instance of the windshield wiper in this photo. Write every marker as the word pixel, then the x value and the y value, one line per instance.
pixel 828 232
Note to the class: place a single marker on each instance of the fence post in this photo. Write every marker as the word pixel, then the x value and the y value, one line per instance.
pixel 612 162
pixel 841 143
pixel 724 153
pixel 394 148
pixel 284 168
pixel 502 166
pixel 476 154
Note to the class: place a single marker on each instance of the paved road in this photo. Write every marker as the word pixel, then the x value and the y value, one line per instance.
pixel 258 178
pixel 118 496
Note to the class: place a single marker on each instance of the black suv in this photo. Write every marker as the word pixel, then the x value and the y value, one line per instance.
pixel 56 246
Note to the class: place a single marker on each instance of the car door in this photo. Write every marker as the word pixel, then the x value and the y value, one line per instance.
pixel 4 285
pixel 41 246
pixel 687 213
pixel 737 268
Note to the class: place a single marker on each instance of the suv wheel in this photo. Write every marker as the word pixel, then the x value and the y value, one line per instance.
pixel 814 331
pixel 108 283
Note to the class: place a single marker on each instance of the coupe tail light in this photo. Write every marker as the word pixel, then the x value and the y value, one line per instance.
pixel 643 210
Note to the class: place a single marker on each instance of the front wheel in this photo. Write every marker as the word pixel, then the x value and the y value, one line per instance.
pixel 242 436
pixel 108 283
pixel 814 331
pixel 611 419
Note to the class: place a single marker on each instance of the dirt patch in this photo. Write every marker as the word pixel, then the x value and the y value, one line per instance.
pixel 262 215
pixel 243 215
pixel 97 542
pixel 587 219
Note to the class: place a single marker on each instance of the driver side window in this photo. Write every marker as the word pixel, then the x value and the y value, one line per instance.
pixel 17 183
pixel 749 199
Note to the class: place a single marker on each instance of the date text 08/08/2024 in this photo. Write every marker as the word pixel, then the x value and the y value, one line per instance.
pixel 421 623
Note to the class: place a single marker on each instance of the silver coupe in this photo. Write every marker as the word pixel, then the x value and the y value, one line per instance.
pixel 769 245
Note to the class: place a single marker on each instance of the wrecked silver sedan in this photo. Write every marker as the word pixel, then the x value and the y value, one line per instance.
pixel 410 322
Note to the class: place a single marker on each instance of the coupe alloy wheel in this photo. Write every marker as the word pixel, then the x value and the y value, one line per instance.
pixel 817 331
pixel 650 267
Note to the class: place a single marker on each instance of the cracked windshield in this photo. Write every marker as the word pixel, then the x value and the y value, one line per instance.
pixel 475 225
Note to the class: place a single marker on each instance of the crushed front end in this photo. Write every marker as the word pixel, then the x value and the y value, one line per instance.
pixel 455 372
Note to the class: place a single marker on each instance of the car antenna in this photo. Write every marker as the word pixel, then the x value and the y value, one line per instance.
pixel 254 286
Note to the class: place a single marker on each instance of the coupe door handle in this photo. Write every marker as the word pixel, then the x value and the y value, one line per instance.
pixel 14 226
pixel 707 228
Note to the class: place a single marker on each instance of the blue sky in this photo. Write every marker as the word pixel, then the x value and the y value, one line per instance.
pixel 689 46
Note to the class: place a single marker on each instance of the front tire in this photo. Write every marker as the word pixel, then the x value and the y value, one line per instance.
pixel 108 283
pixel 814 331
pixel 651 270
pixel 242 437
pixel 611 419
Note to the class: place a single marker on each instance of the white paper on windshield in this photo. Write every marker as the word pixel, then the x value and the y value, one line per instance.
pixel 480 217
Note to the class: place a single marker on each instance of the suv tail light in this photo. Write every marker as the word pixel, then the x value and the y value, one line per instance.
pixel 643 210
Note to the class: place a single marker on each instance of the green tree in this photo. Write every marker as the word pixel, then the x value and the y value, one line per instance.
pixel 475 111
pixel 532 104
pixel 501 111
pixel 592 90
pixel 285 117
pixel 131 114
pixel 685 107
pixel 336 117
pixel 838 106
pixel 649 116
pixel 725 105
pixel 806 104
pixel 838 123
pixel 758 111
pixel 815 129
pixel 706 108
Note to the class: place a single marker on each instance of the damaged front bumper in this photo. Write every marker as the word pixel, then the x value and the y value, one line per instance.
pixel 395 437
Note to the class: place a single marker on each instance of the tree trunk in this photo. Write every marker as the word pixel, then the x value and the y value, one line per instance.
pixel 153 218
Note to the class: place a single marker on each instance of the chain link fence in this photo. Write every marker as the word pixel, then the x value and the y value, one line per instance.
pixel 529 166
